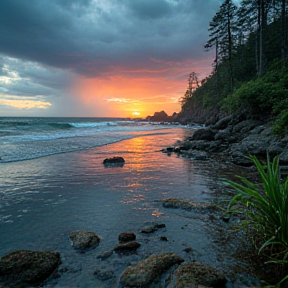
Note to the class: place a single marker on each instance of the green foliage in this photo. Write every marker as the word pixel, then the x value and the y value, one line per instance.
pixel 265 206
pixel 235 84
pixel 231 103
pixel 281 124
pixel 205 96
pixel 265 95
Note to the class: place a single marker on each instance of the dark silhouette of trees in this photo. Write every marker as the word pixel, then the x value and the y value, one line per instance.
pixel 222 36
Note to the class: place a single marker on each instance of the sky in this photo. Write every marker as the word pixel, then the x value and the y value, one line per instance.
pixel 100 58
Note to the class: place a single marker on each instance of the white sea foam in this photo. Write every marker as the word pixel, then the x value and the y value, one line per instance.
pixel 28 138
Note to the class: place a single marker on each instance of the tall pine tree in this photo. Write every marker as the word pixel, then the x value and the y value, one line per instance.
pixel 222 36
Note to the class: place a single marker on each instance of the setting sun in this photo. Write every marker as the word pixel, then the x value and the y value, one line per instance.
pixel 136 113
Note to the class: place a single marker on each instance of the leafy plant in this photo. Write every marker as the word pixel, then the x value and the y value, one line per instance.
pixel 281 123
pixel 266 208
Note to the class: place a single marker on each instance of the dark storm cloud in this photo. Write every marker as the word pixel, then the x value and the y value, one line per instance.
pixel 28 78
pixel 93 37
pixel 150 9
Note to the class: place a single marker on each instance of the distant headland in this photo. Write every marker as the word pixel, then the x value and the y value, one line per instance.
pixel 162 117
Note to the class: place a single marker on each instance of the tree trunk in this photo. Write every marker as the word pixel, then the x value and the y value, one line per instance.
pixel 230 45
pixel 257 38
pixel 263 22
pixel 283 33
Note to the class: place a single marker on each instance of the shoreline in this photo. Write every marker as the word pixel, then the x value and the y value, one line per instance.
pixel 233 139
pixel 131 190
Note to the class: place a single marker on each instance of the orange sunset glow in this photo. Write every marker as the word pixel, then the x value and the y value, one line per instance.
pixel 124 97
pixel 130 95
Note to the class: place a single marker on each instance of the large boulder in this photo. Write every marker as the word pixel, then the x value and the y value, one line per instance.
pixel 226 136
pixel 147 270
pixel 222 123
pixel 245 126
pixel 195 274
pixel 284 157
pixel 203 134
pixel 126 237
pixel 82 240
pixel 258 144
pixel 27 267
pixel 127 243
pixel 127 247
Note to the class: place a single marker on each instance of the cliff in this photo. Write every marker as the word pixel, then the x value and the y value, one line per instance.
pixel 197 114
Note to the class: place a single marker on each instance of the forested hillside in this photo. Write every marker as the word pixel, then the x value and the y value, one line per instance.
pixel 250 70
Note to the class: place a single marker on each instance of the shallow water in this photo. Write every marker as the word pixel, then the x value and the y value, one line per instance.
pixel 44 199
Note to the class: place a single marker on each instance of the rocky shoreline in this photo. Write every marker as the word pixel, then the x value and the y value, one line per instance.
pixel 21 269
pixel 233 139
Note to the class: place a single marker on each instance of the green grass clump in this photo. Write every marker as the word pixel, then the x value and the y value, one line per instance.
pixel 265 206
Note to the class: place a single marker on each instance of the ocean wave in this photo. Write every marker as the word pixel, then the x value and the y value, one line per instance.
pixel 92 124
pixel 14 123
pixel 61 125
pixel 48 136
pixel 47 146
pixel 7 133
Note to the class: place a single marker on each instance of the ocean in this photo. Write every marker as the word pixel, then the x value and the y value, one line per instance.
pixel 29 138
pixel 53 182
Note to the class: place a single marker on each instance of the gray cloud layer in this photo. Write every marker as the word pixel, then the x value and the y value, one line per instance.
pixel 91 37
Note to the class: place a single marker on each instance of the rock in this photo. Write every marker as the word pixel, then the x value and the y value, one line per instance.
pixel 187 205
pixel 114 162
pixel 195 154
pixel 216 146
pixel 129 246
pixel 226 136
pixel 200 155
pixel 147 270
pixel 240 159
pixel 163 238
pixel 83 240
pixel 222 123
pixel 105 255
pixel 151 229
pixel 257 144
pixel 258 129
pixel 29 267
pixel 186 145
pixel 226 218
pixel 188 250
pixel 203 134
pixel 268 131
pixel 195 274
pixel 177 149
pixel 126 237
pixel 159 225
pixel 283 157
pixel 159 116
pixel 211 146
pixel 104 275
pixel 245 126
